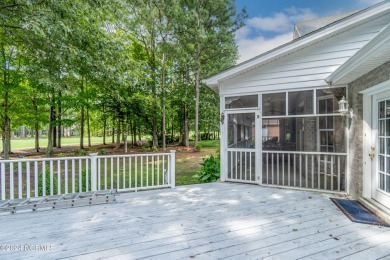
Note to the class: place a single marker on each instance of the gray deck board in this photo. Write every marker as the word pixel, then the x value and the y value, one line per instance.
pixel 209 221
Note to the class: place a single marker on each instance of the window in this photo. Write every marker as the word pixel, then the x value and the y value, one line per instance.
pixel 300 102
pixel 274 104
pixel 242 102
pixel 326 132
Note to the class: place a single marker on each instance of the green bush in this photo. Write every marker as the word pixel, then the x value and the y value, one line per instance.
pixel 84 181
pixel 198 147
pixel 81 152
pixel 47 183
pixel 210 170
pixel 103 151
pixel 154 148
pixel 144 149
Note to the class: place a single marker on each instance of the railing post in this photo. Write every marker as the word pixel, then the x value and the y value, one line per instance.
pixel 93 171
pixel 172 168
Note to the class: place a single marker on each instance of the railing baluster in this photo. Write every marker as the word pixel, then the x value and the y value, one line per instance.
pixel 87 177
pixel 11 181
pixel 105 173
pixel 163 169
pixel 338 174
pixel 306 171
pixel 124 172
pixel 136 174
pixel 59 177
pixel 236 166
pixel 99 167
pixel 80 176
pixel 28 195
pixel 250 168
pixel 277 169
pixel 283 169
pixel 36 173
pixel 43 178
pixel 267 168
pixel 241 166
pixel 319 170
pixel 331 172
pixel 66 177
pixel 288 177
pixel 272 167
pixel 112 173
pixel 147 171
pixel 3 181
pixel 129 172
pixel 295 170
pixel 20 180
pixel 142 175
pixel 51 178
pixel 158 170
pixel 300 170
pixel 312 171
pixel 117 173
pixel 73 176
pixel 153 170
pixel 325 172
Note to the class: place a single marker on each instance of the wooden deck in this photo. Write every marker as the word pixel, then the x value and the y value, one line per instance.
pixel 209 221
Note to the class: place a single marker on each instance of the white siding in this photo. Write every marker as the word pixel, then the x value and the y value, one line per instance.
pixel 308 67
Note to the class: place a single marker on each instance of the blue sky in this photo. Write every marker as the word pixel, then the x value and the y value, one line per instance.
pixel 270 22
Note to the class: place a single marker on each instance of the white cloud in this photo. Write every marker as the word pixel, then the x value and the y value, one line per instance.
pixel 249 48
pixel 251 41
pixel 281 21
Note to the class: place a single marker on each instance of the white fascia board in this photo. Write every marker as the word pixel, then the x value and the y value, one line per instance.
pixel 372 48
pixel 327 31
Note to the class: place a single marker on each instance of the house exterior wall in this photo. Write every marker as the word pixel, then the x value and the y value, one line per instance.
pixel 308 67
pixel 374 77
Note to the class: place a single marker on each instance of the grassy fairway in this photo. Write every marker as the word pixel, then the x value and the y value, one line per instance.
pixel 27 143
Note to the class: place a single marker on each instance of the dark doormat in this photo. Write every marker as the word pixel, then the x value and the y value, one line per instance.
pixel 357 213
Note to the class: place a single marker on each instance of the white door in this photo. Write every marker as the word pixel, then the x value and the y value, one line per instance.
pixel 381 162
pixel 241 146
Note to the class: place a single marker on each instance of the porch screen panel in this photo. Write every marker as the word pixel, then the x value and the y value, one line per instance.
pixel 274 104
pixel 300 102
pixel 241 130
pixel 251 101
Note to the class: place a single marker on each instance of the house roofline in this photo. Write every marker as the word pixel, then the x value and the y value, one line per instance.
pixel 310 38
pixel 371 49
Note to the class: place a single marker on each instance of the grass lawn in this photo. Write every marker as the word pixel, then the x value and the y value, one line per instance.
pixel 187 160
pixel 29 142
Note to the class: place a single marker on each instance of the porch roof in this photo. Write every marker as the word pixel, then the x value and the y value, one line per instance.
pixel 372 55
pixel 218 220
pixel 325 32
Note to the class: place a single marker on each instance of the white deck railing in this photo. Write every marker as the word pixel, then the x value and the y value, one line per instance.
pixel 310 170
pixel 54 176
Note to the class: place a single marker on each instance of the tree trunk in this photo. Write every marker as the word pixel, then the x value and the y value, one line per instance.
pixel 82 116
pixel 118 133
pixel 126 131
pixel 7 130
pixel 197 89
pixel 186 141
pixel 164 145
pixel 59 116
pixel 49 150
pixel 104 127
pixel 89 129
pixel 36 137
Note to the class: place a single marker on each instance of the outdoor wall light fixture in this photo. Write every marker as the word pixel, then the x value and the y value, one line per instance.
pixel 222 118
pixel 344 109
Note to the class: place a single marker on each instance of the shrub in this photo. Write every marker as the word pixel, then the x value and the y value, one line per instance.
pixel 198 147
pixel 84 181
pixel 144 148
pixel 47 184
pixel 210 170
pixel 103 151
pixel 81 152
pixel 154 148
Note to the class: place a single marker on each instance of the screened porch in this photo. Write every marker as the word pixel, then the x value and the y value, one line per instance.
pixel 290 138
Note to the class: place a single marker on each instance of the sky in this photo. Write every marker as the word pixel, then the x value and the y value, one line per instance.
pixel 270 23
